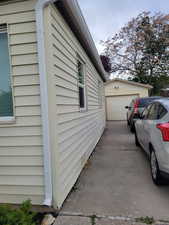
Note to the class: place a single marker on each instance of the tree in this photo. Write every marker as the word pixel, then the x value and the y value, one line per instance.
pixel 141 49
pixel 106 63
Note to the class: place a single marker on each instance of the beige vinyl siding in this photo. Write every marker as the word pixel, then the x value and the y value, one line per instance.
pixel 75 133
pixel 21 159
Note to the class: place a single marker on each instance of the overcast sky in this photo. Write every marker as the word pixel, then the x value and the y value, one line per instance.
pixel 105 17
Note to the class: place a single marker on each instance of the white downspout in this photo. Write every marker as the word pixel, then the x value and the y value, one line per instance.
pixel 44 99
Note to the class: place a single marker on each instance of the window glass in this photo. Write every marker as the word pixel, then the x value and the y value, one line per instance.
pixel 153 112
pixel 81 84
pixel 161 111
pixel 143 102
pixel 6 104
pixel 145 112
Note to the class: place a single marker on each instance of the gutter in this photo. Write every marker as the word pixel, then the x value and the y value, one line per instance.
pixel 40 5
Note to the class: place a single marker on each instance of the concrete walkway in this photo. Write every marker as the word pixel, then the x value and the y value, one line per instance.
pixel 115 182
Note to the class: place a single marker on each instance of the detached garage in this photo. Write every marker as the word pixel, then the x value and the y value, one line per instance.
pixel 119 94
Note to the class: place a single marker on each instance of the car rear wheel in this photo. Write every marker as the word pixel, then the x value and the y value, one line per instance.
pixel 155 172
pixel 132 128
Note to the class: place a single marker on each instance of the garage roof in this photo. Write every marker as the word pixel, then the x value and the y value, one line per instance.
pixel 129 82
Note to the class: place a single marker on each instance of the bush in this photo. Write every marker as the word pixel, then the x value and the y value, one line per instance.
pixel 21 216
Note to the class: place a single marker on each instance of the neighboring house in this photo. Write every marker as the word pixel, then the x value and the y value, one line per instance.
pixel 119 94
pixel 52 108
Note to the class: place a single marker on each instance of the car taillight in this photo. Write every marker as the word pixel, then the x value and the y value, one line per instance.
pixel 136 106
pixel 164 128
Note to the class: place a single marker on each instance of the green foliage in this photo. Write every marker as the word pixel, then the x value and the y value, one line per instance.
pixel 146 220
pixel 21 216
pixel 93 219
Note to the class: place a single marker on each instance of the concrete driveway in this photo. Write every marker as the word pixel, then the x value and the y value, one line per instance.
pixel 117 181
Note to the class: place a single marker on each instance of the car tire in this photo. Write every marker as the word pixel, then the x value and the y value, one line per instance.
pixel 137 143
pixel 155 172
pixel 132 128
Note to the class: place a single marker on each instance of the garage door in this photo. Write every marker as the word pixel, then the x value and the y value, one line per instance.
pixel 116 106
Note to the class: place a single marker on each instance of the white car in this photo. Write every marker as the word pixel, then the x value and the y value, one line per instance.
pixel 152 134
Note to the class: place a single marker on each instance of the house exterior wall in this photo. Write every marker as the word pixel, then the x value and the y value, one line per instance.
pixel 21 159
pixel 121 88
pixel 74 134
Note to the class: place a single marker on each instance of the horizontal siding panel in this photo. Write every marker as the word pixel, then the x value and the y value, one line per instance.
pixel 20 151
pixel 20 141
pixel 59 54
pixel 66 127
pixel 63 109
pixel 21 161
pixel 28 121
pixel 72 162
pixel 25 70
pixel 66 35
pixel 27 100
pixel 22 28
pixel 66 92
pixel 24 59
pixel 65 32
pixel 15 132
pixel 65 83
pixel 64 138
pixel 18 18
pixel 61 100
pixel 58 36
pixel 27 90
pixel 68 38
pixel 26 80
pixel 17 7
pixel 20 190
pixel 28 111
pixel 75 140
pixel 60 72
pixel 21 171
pixel 64 67
pixel 72 116
pixel 23 49
pixel 22 38
pixel 17 199
pixel 20 180
pixel 64 48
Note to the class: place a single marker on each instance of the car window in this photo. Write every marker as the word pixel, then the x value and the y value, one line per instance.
pixel 143 102
pixel 161 111
pixel 145 112
pixel 153 112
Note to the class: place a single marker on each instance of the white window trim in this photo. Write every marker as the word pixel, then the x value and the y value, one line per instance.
pixel 8 119
pixel 84 109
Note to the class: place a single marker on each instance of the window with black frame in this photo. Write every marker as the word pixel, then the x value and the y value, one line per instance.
pixel 81 85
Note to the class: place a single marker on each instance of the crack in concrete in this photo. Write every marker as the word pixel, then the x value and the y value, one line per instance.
pixel 112 218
